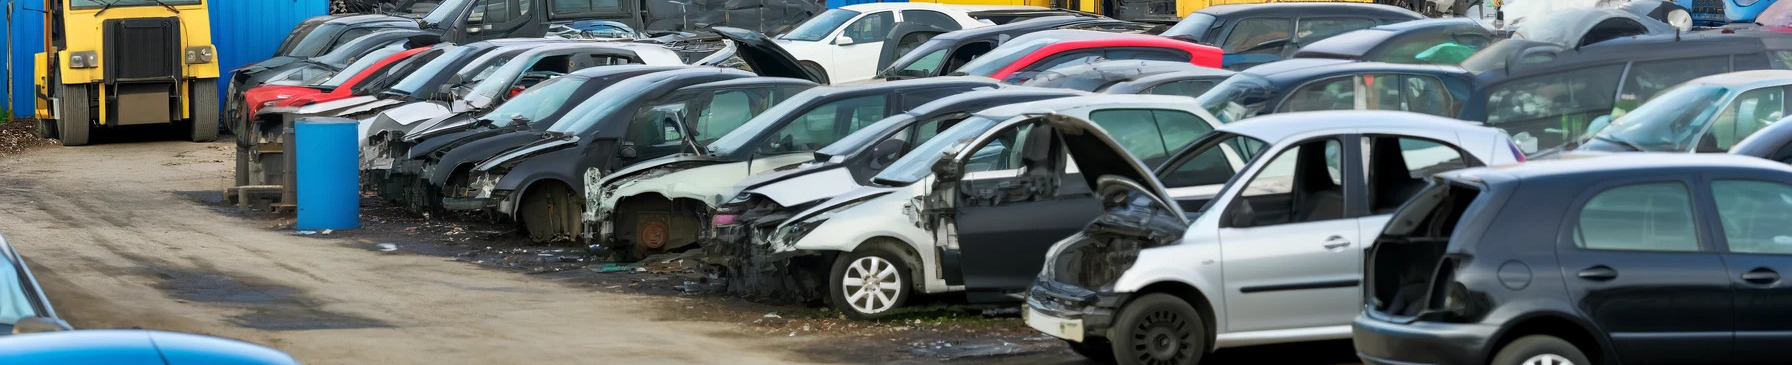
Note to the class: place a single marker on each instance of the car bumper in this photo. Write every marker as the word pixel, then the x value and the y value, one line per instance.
pixel 1383 342
pixel 1069 312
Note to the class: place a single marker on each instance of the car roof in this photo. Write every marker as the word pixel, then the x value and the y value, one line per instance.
pixel 867 7
pixel 1314 8
pixel 1585 164
pixel 1361 42
pixel 619 69
pixel 1747 79
pixel 954 101
pixel 1301 69
pixel 1075 35
pixel 910 83
pixel 1020 26
pixel 1014 110
pixel 1276 127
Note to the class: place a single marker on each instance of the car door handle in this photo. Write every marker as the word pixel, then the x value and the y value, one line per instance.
pixel 1336 243
pixel 1599 273
pixel 1761 275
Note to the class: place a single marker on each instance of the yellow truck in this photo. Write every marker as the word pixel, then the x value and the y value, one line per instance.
pixel 111 63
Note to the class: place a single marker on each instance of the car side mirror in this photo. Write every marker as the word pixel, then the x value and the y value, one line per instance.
pixel 627 150
pixel 1240 214
pixel 40 325
pixel 1708 144
pixel 885 153
pixel 843 40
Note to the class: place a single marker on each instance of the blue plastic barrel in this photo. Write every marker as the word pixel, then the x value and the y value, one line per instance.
pixel 328 166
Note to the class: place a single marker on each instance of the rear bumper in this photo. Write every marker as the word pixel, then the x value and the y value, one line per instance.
pixel 1383 342
pixel 1070 312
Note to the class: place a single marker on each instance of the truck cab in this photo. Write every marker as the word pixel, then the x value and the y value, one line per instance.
pixel 112 63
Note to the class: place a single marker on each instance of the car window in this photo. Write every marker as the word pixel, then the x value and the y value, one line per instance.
pixel 1180 128
pixel 1314 29
pixel 1002 153
pixel 1189 88
pixel 1398 168
pixel 727 111
pixel 871 28
pixel 657 125
pixel 930 17
pixel 346 37
pixel 928 65
pixel 1210 166
pixel 914 98
pixel 1150 134
pixel 1640 217
pixel 1649 78
pixel 1754 215
pixel 493 12
pixel 1749 112
pixel 1249 33
pixel 562 7
pixel 1546 110
pixel 1301 184
pixel 1337 93
pixel 1412 93
pixel 827 123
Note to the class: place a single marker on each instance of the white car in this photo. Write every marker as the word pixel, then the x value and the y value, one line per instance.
pixel 982 226
pixel 1280 211
pixel 845 43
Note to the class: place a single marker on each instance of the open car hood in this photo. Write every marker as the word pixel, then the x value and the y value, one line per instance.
pixel 1099 156
pixel 764 56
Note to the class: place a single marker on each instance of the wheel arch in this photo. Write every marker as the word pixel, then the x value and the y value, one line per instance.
pixel 1559 325
pixel 911 257
pixel 1188 293
pixel 531 186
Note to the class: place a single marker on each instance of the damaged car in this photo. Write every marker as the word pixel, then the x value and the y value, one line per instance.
pixel 313 37
pixel 1316 84
pixel 540 181
pixel 371 66
pixel 972 210
pixel 915 51
pixel 664 204
pixel 764 200
pixel 844 43
pixel 1133 77
pixel 1255 34
pixel 1024 57
pixel 1253 235
pixel 303 70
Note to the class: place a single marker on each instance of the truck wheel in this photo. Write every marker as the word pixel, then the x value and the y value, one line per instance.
pixel 1158 329
pixel 551 213
pixel 868 284
pixel 72 128
pixel 1540 350
pixel 204 102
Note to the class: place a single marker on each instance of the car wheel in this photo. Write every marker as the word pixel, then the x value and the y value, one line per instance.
pixel 1158 329
pixel 868 284
pixel 1095 349
pixel 1540 350
pixel 550 213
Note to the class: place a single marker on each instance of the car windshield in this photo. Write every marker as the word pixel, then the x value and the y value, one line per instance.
pixel 743 135
pixel 600 104
pixel 999 58
pixel 918 163
pixel 1194 26
pixel 537 102
pixel 359 66
pixel 298 34
pixel 440 14
pixel 820 26
pixel 14 304
pixel 413 84
pixel 863 137
pixel 397 72
pixel 1670 122
pixel 318 41
pixel 1238 97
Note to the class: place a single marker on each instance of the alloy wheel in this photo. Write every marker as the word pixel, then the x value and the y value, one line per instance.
pixel 1547 359
pixel 872 284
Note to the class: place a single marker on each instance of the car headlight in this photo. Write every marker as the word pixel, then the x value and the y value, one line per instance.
pixel 84 59
pixel 200 54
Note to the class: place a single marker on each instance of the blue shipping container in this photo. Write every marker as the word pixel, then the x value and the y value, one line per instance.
pixel 244 31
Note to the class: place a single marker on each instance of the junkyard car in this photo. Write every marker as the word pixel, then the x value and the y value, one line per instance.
pixel 1705 115
pixel 135 347
pixel 764 200
pixel 1132 77
pixel 371 65
pixel 1572 261
pixel 1271 255
pixel 659 205
pixel 973 209
pixel 1024 57
pixel 540 180
pixel 292 69
pixel 22 302
pixel 1773 142
pixel 918 51
pixel 1314 84
pixel 1261 33
pixel 844 43
pixel 1432 41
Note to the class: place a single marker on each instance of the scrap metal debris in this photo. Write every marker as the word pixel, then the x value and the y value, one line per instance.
pixel 20 135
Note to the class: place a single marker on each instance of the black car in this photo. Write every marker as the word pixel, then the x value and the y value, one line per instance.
pixel 1633 259
pixel 1314 84
pixel 475 20
pixel 321 34
pixel 918 50
pixel 1255 34
pixel 1433 41
pixel 1132 77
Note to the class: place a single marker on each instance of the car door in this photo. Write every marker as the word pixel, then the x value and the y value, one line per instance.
pixel 1289 241
pixel 857 46
pixel 1638 265
pixel 1196 175
pixel 494 19
pixel 1017 197
pixel 1757 250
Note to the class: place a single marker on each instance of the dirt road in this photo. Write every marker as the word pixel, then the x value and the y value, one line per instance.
pixel 118 241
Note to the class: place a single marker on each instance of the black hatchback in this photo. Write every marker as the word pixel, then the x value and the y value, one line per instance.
pixel 1605 259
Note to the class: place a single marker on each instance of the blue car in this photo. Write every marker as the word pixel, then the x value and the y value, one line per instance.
pixel 1744 11
pixel 134 347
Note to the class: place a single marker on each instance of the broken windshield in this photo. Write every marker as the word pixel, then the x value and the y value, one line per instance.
pixel 917 164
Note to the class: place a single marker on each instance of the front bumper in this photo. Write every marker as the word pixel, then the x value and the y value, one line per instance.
pixel 1383 342
pixel 1070 312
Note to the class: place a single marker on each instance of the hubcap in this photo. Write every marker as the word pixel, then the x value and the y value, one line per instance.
pixel 871 285
pixel 1547 359
pixel 1163 337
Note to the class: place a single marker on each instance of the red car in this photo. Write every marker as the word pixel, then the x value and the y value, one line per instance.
pixel 1019 59
pixel 339 86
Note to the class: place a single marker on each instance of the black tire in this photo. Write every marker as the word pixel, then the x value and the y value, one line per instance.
pixel 870 302
pixel 204 103
pixel 551 213
pixel 73 127
pixel 817 71
pixel 1533 346
pixel 1097 350
pixel 1158 329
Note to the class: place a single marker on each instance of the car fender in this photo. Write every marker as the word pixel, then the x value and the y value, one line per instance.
pixel 473 152
pixel 880 217
pixel 707 184
pixel 1193 262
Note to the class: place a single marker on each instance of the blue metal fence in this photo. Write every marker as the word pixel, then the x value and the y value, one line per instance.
pixel 245 31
